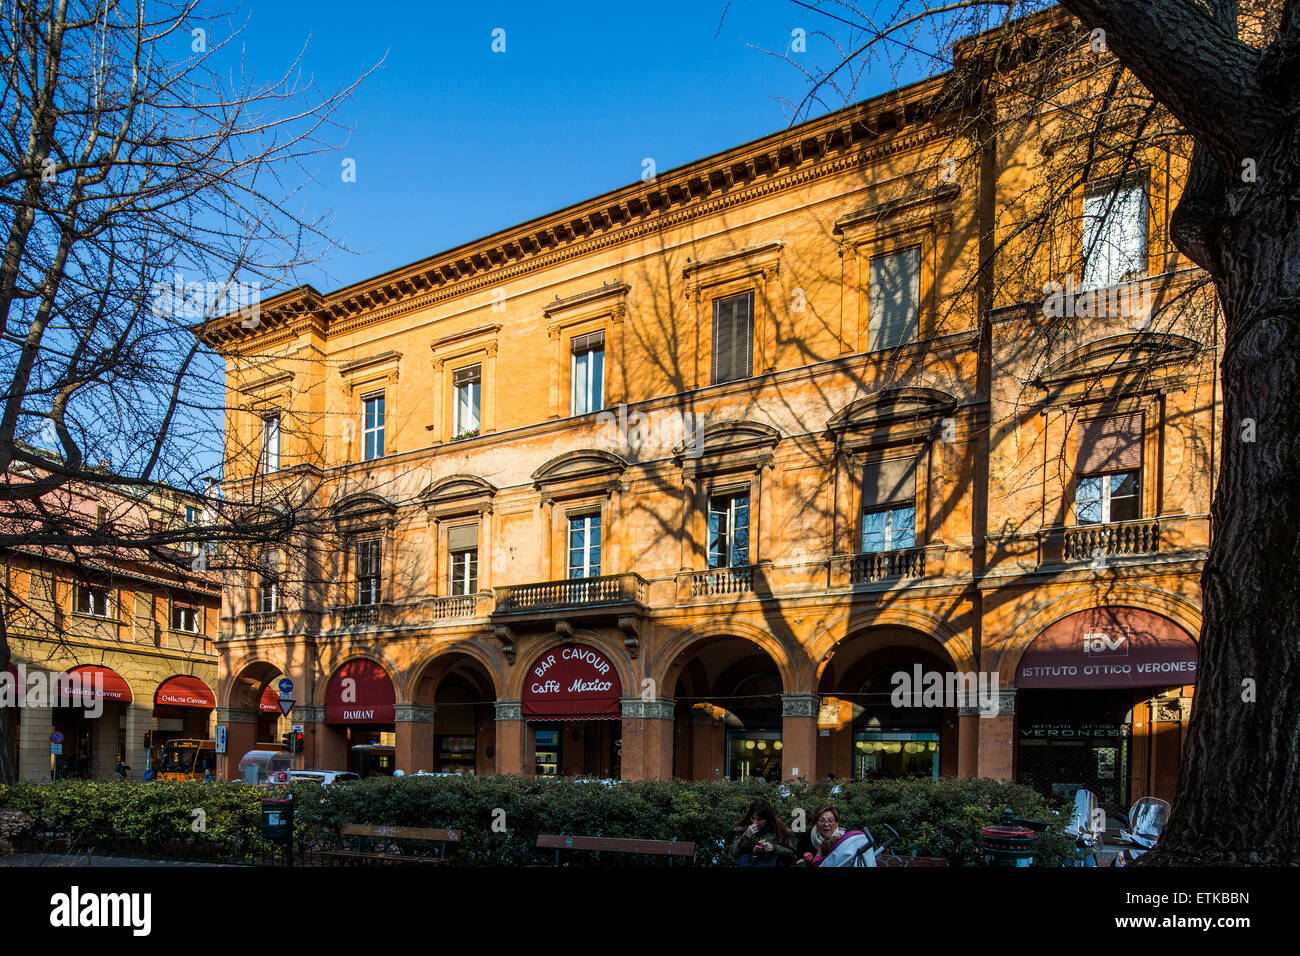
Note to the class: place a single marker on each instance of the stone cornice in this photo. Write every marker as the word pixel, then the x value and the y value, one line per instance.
pixel 848 139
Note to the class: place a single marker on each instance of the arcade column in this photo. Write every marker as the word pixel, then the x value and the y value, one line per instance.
pixel 799 735
pixel 37 723
pixel 647 738
pixel 241 737
pixel 512 738
pixel 139 721
pixel 997 739
pixel 323 747
pixel 414 737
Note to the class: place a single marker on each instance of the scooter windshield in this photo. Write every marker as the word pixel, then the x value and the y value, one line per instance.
pixel 1081 819
pixel 1149 817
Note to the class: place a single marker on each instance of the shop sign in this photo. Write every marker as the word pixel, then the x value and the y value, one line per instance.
pixel 572 682
pixel 1107 648
pixel 360 692
pixel 1069 731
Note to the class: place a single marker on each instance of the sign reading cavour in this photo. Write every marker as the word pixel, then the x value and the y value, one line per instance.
pixel 572 682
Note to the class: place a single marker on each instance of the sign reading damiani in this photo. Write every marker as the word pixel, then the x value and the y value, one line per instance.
pixel 572 682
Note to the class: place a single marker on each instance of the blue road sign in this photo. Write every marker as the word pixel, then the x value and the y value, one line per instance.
pixel 286 686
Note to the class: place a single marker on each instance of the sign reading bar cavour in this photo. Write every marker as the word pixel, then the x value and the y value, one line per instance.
pixel 572 682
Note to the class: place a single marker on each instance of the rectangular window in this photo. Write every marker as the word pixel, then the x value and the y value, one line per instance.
pixel 92 599
pixel 894 300
pixel 1101 499
pixel 270 444
pixel 889 505
pixel 729 531
pixel 372 426
pixel 467 384
pixel 368 574
pixel 185 618
pixel 1114 235
pixel 462 544
pixel 584 546
pixel 269 586
pixel 588 373
pixel 191 517
pixel 733 337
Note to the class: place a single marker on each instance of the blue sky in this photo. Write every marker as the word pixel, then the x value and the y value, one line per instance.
pixel 453 141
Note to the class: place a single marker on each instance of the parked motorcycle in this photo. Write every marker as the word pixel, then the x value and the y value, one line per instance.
pixel 1146 821
pixel 1086 826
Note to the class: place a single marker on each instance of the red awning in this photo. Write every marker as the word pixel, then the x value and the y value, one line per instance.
pixel 185 692
pixel 360 693
pixel 87 685
pixel 572 682
pixel 1104 648
pixel 270 702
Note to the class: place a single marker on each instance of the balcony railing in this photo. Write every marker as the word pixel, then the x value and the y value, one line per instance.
pixel 261 622
pixel 717 581
pixel 1118 539
pixel 358 615
pixel 462 605
pixel 885 565
pixel 608 589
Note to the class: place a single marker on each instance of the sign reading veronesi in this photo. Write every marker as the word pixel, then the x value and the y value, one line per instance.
pixel 1109 648
pixel 572 682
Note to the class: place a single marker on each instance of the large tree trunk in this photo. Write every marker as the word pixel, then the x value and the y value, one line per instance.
pixel 1239 217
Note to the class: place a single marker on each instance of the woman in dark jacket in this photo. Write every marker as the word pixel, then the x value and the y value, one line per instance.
pixel 762 839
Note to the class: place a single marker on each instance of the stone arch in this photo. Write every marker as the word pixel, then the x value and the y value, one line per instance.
pixel 241 688
pixel 417 669
pixel 955 645
pixel 1011 649
pixel 667 665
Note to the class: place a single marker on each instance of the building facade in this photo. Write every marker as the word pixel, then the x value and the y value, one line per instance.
pixel 766 467
pixel 112 650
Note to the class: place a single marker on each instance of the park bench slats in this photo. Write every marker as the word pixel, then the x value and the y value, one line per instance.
pixel 361 832
pixel 668 848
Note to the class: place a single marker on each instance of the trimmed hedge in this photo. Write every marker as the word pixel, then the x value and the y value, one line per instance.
pixel 501 816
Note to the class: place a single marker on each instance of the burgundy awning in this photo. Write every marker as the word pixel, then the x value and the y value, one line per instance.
pixel 270 702
pixel 572 682
pixel 360 692
pixel 114 689
pixel 185 692
pixel 1105 648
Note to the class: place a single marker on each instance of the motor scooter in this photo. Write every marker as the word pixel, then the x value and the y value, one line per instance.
pixel 1146 821
pixel 1084 827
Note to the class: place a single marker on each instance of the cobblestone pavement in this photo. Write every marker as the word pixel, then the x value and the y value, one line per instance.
pixel 81 861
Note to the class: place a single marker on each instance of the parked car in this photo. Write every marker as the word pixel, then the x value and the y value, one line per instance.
pixel 324 777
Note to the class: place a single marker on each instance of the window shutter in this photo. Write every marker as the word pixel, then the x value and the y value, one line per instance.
pixel 733 337
pixel 466 375
pixel 887 482
pixel 588 342
pixel 1110 444
pixel 462 538
pixel 894 295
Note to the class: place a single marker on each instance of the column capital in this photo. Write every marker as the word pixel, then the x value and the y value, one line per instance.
pixel 509 710
pixel 307 714
pixel 657 708
pixel 799 705
pixel 236 715
pixel 414 713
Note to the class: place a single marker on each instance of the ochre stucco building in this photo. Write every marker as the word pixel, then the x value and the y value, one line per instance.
pixel 676 481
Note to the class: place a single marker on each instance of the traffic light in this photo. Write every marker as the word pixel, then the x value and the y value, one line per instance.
pixel 286 741
pixel 148 738
pixel 293 742
pixel 297 743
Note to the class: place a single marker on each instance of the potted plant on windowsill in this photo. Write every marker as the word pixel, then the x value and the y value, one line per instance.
pixel 465 433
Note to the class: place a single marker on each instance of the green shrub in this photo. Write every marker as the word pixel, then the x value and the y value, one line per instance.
pixel 501 816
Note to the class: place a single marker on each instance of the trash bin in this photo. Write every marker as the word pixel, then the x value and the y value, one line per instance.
pixel 1008 844
pixel 277 818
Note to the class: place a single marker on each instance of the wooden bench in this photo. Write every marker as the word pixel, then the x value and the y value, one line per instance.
pixel 363 834
pixel 668 848
pixel 889 859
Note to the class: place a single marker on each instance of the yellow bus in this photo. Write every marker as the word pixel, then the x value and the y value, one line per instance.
pixel 188 760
